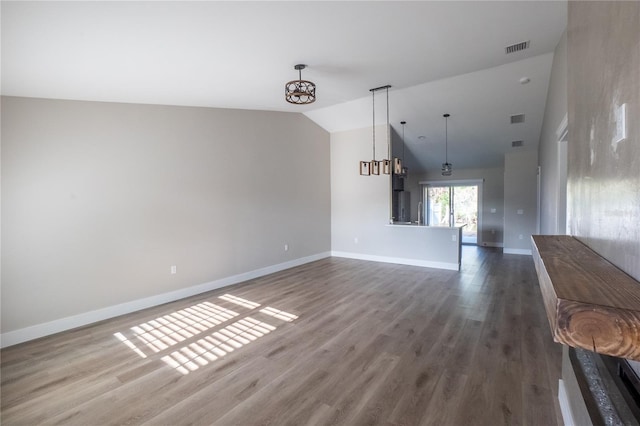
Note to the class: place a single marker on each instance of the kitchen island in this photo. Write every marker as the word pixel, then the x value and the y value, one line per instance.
pixel 413 244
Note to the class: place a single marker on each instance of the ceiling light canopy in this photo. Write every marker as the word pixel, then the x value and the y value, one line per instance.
pixel 300 92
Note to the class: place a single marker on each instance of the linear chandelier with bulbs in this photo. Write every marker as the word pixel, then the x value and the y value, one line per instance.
pixel 375 167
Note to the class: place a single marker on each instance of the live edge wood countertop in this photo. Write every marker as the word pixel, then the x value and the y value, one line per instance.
pixel 590 303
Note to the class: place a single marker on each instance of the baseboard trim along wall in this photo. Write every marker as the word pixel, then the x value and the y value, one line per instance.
pixel 517 251
pixel 40 330
pixel 565 408
pixel 398 260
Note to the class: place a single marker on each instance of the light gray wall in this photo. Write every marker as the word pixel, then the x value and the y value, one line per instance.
pixel 492 227
pixel 603 45
pixel 553 192
pixel 520 200
pixel 360 210
pixel 100 199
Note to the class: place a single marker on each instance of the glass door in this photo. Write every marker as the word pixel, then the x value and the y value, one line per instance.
pixel 438 205
pixel 454 205
pixel 465 208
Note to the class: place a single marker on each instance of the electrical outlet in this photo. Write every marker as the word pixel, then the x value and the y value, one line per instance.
pixel 520 236
pixel 174 269
pixel 286 247
pixel 520 211
pixel 355 240
pixel 454 238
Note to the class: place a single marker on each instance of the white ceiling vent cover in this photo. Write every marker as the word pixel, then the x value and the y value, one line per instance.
pixel 516 144
pixel 517 47
pixel 517 118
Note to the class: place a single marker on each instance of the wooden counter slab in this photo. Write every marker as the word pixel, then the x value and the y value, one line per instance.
pixel 590 303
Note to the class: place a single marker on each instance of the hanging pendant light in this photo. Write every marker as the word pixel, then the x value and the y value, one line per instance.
pixel 300 92
pixel 447 167
pixel 374 167
pixel 403 169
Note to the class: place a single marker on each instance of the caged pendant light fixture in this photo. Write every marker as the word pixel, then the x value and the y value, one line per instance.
pixel 300 92
pixel 447 167
pixel 375 167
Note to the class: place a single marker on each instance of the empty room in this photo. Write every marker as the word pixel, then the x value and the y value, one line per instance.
pixel 319 213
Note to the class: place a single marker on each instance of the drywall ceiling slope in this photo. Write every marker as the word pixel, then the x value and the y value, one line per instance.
pixel 239 54
pixel 480 104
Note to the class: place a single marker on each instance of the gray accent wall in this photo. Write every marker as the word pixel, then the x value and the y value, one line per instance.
pixel 99 200
pixel 603 45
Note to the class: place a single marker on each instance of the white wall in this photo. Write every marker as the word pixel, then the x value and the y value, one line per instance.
pixel 553 192
pixel 520 200
pixel 360 212
pixel 100 199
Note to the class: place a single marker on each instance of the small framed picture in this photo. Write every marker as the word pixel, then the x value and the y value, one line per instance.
pixel 364 168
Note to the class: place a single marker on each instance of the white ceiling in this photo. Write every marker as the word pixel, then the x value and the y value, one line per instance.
pixel 437 56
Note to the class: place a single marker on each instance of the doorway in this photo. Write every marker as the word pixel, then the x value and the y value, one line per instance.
pixel 454 205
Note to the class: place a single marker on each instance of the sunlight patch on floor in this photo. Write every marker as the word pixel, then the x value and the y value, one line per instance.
pixel 162 333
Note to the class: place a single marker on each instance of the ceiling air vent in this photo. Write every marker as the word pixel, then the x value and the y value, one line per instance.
pixel 517 47
pixel 516 144
pixel 517 118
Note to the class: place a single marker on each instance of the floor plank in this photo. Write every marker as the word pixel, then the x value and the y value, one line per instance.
pixel 336 341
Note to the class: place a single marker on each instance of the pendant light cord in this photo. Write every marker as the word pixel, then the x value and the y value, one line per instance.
pixel 403 123
pixel 373 98
pixel 446 140
pixel 388 127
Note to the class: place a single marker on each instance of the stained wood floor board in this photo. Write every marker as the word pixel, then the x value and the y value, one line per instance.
pixel 372 344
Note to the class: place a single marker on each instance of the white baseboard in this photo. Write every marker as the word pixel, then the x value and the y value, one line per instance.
pixel 565 408
pixel 517 251
pixel 45 329
pixel 398 260
pixel 487 244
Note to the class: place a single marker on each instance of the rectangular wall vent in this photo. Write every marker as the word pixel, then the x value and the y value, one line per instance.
pixel 517 118
pixel 516 144
pixel 517 47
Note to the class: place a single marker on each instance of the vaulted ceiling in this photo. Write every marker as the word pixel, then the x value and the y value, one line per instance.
pixel 439 57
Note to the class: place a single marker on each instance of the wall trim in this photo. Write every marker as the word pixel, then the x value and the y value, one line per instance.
pixel 526 252
pixel 398 260
pixel 452 182
pixel 565 408
pixel 63 324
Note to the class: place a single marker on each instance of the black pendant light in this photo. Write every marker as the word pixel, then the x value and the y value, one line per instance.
pixel 404 169
pixel 447 167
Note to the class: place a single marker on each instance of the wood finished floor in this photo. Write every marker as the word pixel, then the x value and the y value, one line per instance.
pixel 373 343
